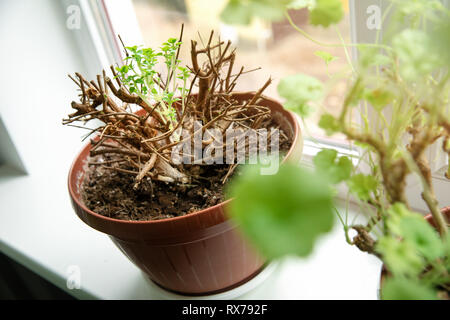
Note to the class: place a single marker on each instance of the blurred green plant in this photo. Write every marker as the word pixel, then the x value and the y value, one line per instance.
pixel 402 88
pixel 322 12
pixel 283 213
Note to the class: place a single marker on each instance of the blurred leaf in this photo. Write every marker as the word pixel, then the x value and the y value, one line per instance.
pixel 325 56
pixel 284 213
pixel 329 123
pixel 334 168
pixel 379 98
pixel 269 10
pixel 322 12
pixel 362 186
pixel 400 257
pixel 423 236
pixel 396 213
pixel 241 12
pixel 413 49
pixel 326 12
pixel 236 12
pixel 298 90
pixel 369 56
pixel 405 289
pixel 302 109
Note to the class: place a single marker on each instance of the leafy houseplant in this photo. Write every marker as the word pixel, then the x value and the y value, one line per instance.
pixel 402 89
pixel 153 173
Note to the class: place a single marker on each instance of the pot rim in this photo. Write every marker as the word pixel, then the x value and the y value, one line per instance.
pixel 444 210
pixel 77 200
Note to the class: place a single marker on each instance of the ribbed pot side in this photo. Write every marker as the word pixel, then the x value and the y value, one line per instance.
pixel 199 253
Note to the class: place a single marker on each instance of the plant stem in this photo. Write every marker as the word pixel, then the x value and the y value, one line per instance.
pixel 428 196
pixel 432 203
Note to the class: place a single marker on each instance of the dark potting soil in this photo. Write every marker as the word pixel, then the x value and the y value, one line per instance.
pixel 110 193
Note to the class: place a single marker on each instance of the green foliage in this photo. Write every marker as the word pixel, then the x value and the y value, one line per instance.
pixel 332 167
pixel 396 213
pixel 325 56
pixel 284 213
pixel 400 257
pixel 236 12
pixel 379 98
pixel 405 289
pixel 413 49
pixel 370 56
pixel 411 245
pixel 330 124
pixel 140 76
pixel 413 228
pixel 241 12
pixel 298 90
pixel 326 12
pixel 424 238
pixel 363 186
pixel 411 231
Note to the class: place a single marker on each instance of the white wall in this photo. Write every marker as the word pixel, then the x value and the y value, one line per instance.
pixel 38 227
pixel 36 53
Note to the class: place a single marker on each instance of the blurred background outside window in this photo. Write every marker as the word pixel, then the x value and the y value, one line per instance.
pixel 275 47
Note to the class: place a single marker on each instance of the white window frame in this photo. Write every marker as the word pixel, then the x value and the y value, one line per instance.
pixel 107 18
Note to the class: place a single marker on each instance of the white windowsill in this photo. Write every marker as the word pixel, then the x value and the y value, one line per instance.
pixel 51 238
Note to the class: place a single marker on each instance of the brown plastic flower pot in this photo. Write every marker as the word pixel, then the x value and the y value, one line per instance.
pixel 199 253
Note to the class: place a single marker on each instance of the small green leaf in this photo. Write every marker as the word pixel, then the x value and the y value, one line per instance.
pixel 396 288
pixel 379 98
pixel 326 12
pixel 284 213
pixel 132 49
pixel 329 123
pixel 362 186
pixel 335 169
pixel 325 56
